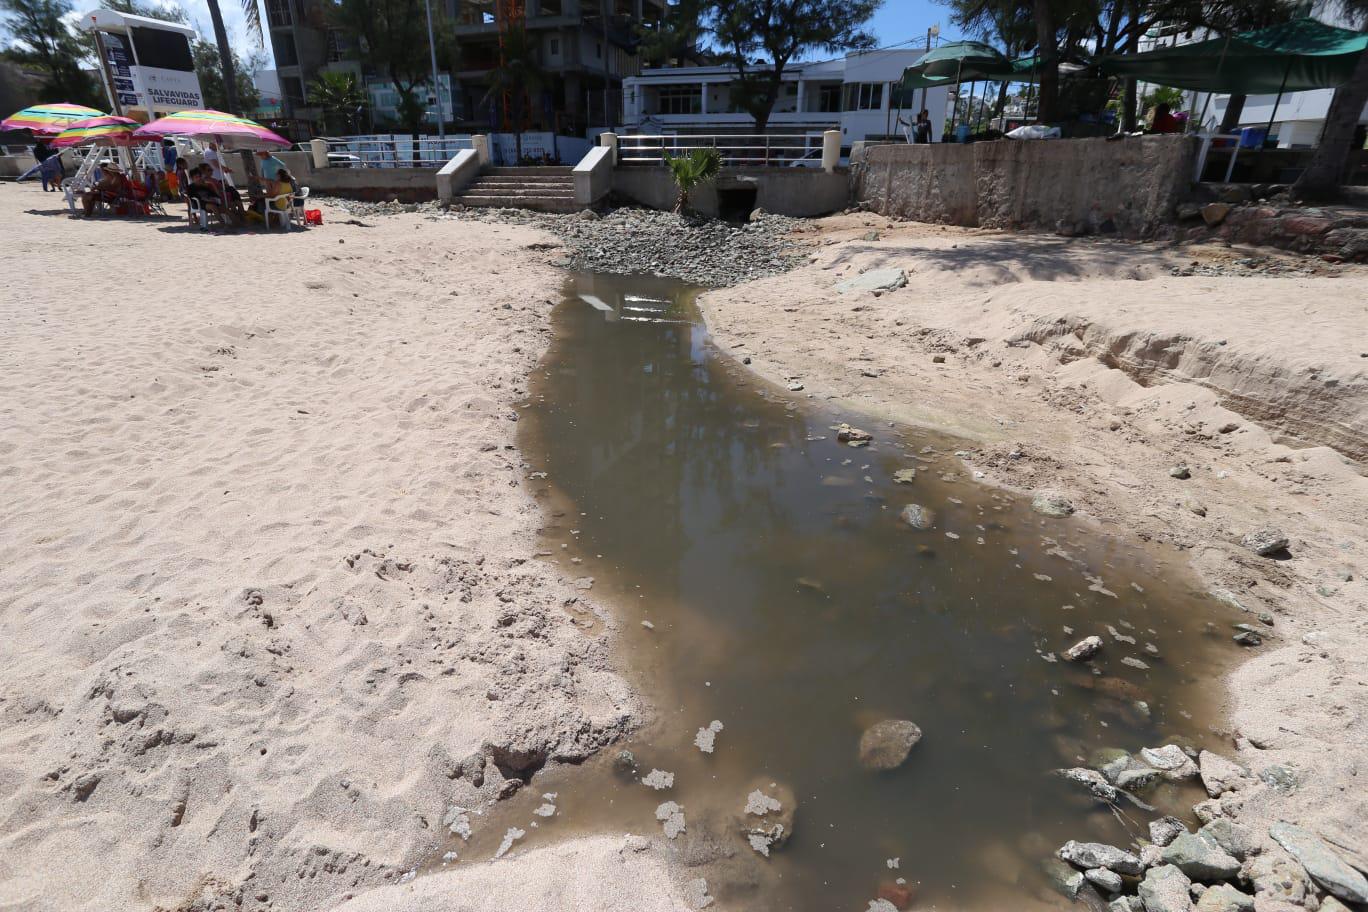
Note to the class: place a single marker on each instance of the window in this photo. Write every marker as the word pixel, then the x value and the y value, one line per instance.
pixel 337 45
pixel 864 96
pixel 829 98
pixel 555 47
pixel 285 52
pixel 293 89
pixel 678 99
pixel 278 13
pixel 598 50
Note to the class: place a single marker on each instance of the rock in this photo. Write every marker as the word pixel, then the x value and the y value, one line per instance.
pixel 899 894
pixel 1151 856
pixel 1265 542
pixel 1171 761
pixel 1165 889
pixel 874 280
pixel 1277 878
pixel 1279 778
pixel 1189 211
pixel 1092 780
pixel 1235 838
pixel 1195 506
pixel 1200 859
pixel 766 822
pixel 904 476
pixel 1049 503
pixel 881 905
pixel 938 359
pixel 1089 855
pixel 1209 810
pixel 918 517
pixel 1322 862
pixel 1248 638
pixel 1215 213
pixel 1180 471
pixel 1330 904
pixel 1084 649
pixel 1166 829
pixel 1063 878
pixel 1220 775
pixel 1225 898
pixel 1105 879
pixel 885 745
pixel 1134 780
pixel 847 434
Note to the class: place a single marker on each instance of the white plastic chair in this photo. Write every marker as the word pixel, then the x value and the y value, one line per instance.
pixel 292 212
pixel 196 213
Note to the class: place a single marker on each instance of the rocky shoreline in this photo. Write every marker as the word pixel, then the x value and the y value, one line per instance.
pixel 628 240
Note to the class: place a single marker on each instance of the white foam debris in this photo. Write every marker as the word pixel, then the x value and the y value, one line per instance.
pixel 671 815
pixel 648 625
pixel 760 804
pixel 759 842
pixel 546 810
pixel 550 796
pixel 696 893
pixel 512 836
pixel 457 820
pixel 448 857
pixel 893 863
pixel 658 779
pixel 706 738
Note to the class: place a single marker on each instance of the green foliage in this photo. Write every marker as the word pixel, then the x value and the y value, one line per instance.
pixel 692 169
pixel 43 41
pixel 1163 95
pixel 393 39
pixel 677 38
pixel 341 100
pixel 778 32
pixel 209 69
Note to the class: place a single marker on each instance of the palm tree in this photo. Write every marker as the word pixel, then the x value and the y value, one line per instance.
pixel 252 14
pixel 689 171
pixel 1322 177
pixel 340 98
pixel 517 78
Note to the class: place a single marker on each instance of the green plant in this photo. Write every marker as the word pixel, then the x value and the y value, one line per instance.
pixel 340 98
pixel 690 171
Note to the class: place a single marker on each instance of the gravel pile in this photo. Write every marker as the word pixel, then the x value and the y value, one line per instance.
pixel 704 252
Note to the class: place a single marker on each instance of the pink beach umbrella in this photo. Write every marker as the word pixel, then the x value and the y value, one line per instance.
pixel 107 130
pixel 237 132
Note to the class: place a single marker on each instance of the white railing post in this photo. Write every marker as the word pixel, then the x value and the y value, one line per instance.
pixel 319 148
pixel 610 141
pixel 831 150
pixel 480 143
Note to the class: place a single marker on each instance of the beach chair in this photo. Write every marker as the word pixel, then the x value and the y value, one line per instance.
pixel 292 210
pixel 196 214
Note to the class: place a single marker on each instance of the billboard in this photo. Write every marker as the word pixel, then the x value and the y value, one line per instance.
pixel 148 65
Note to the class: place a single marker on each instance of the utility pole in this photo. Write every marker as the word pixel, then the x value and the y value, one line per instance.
pixel 436 86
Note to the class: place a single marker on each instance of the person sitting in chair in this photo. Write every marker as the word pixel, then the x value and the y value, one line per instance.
pixel 110 188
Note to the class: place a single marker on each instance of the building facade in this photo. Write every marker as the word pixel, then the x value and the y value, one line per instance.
pixel 585 48
pixel 859 94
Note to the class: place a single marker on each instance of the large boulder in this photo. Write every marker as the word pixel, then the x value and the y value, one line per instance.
pixel 1225 898
pixel 1171 761
pixel 1265 542
pixel 1200 859
pixel 1220 775
pixel 1084 649
pixel 1088 855
pixel 1092 780
pixel 885 745
pixel 1235 838
pixel 1322 862
pixel 1165 889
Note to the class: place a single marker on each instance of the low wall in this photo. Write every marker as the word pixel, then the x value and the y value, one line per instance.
pixel 797 192
pixel 1076 186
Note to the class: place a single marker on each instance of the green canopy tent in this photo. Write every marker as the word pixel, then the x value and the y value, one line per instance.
pixel 1294 57
pixel 956 63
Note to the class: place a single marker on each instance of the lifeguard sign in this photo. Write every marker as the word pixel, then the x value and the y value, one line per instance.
pixel 147 64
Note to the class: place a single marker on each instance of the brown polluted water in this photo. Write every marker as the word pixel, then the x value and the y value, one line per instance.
pixel 785 599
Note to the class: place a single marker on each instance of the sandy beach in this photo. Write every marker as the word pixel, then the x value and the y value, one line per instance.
pixel 265 565
pixel 272 621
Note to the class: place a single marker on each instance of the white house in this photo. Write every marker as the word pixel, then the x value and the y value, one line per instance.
pixel 858 94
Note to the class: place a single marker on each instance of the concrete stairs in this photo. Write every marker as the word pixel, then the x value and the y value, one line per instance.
pixel 545 189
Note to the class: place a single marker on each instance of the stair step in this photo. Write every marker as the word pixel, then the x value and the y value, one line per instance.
pixel 518 194
pixel 502 202
pixel 514 182
pixel 532 170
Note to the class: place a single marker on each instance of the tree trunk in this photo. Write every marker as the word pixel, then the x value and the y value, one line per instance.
pixel 1047 50
pixel 1322 177
pixel 225 58
pixel 1128 105
pixel 1234 109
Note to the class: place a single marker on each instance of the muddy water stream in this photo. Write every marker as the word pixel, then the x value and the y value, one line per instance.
pixel 789 602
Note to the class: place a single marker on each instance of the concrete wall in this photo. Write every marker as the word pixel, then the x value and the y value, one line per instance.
pixel 798 192
pixel 1077 186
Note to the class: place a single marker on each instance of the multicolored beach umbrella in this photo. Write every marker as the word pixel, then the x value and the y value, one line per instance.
pixel 238 132
pixel 48 119
pixel 107 130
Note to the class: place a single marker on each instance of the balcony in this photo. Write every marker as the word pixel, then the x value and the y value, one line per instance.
pixel 278 14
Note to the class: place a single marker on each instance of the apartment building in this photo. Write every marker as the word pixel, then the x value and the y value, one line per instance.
pixel 859 94
pixel 585 48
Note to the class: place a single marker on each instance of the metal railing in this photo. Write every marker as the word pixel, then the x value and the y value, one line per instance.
pixel 391 151
pixel 738 150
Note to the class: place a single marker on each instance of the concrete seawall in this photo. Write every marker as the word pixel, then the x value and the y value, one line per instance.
pixel 1081 186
